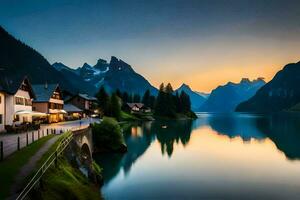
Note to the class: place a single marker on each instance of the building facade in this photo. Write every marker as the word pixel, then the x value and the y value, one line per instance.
pixel 85 103
pixel 49 100
pixel 15 102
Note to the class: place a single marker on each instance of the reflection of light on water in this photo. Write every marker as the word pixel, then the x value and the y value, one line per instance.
pixel 136 131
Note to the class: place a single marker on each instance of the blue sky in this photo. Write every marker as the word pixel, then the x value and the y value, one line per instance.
pixel 202 43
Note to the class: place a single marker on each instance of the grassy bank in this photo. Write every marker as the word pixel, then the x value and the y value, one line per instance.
pixel 138 116
pixel 10 167
pixel 128 117
pixel 66 182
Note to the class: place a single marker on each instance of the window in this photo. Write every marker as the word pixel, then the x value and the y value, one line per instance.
pixel 56 95
pixel 1 120
pixel 55 106
pixel 0 100
pixel 28 102
pixel 19 100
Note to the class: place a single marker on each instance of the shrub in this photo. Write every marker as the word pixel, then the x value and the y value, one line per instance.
pixel 108 135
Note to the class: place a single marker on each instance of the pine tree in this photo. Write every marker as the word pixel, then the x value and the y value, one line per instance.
pixel 177 102
pixel 103 101
pixel 158 110
pixel 165 102
pixel 169 89
pixel 185 102
pixel 115 106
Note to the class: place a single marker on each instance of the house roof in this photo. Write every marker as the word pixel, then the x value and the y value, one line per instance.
pixel 43 93
pixel 139 105
pixel 12 85
pixel 87 97
pixel 71 108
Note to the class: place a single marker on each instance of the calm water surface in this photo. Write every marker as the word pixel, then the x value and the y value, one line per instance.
pixel 217 156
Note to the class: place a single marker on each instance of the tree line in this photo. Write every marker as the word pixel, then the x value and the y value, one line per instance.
pixel 170 103
pixel 166 104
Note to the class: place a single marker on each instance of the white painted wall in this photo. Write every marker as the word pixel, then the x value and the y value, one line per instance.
pixel 12 108
pixel 9 109
pixel 2 111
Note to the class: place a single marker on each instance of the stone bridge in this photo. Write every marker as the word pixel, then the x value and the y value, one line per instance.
pixel 84 140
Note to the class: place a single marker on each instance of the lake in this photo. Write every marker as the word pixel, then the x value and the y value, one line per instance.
pixel 217 156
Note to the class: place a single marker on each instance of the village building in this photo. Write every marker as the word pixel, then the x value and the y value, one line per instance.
pixel 137 107
pixel 84 102
pixel 49 100
pixel 15 102
pixel 73 113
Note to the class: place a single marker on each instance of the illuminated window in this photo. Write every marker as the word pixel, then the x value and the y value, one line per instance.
pixel 56 95
pixel 16 118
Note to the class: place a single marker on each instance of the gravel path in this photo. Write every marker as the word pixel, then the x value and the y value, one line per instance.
pixel 28 168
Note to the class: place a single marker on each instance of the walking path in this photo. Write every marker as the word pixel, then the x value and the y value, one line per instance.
pixel 10 141
pixel 31 165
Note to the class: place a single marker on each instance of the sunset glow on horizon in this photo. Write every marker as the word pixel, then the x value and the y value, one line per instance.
pixel 201 43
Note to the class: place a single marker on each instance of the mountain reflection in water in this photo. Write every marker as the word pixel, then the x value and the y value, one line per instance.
pixel 282 129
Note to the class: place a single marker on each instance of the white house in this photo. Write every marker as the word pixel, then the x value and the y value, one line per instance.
pixel 16 102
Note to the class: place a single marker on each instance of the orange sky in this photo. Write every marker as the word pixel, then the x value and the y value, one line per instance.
pixel 198 42
pixel 215 61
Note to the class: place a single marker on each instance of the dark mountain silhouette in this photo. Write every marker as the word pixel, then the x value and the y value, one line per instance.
pixel 225 98
pixel 76 80
pixel 282 92
pixel 18 60
pixel 116 74
pixel 196 99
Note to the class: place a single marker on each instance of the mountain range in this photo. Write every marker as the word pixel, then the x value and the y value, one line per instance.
pixel 18 60
pixel 225 98
pixel 113 75
pixel 281 93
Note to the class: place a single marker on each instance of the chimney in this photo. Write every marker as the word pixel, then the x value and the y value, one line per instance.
pixel 46 85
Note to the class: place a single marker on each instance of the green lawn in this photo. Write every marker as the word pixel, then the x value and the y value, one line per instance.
pixel 66 182
pixel 11 165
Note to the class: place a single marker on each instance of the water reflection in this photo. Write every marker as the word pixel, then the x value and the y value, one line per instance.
pixel 283 130
pixel 237 125
pixel 173 133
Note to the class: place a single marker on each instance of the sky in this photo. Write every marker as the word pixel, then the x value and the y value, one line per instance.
pixel 201 43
